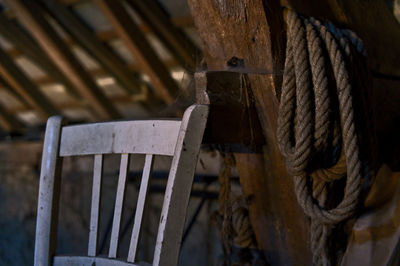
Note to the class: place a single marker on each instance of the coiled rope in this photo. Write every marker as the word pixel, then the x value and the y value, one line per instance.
pixel 316 129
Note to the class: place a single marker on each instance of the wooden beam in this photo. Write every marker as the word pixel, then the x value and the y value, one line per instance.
pixel 181 47
pixel 141 49
pixel 24 43
pixel 178 22
pixel 253 31
pixel 33 19
pixel 4 84
pixel 25 87
pixel 93 46
pixel 8 121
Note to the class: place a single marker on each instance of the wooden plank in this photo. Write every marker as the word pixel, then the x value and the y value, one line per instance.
pixel 280 226
pixel 85 37
pixel 25 44
pixel 144 184
pixel 178 22
pixel 179 185
pixel 119 203
pixel 33 19
pixel 49 194
pixel 8 121
pixel 181 47
pixel 25 87
pixel 141 49
pixel 140 137
pixel 95 210
pixel 4 84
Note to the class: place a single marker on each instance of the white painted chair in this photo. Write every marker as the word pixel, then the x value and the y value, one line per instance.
pixel 180 139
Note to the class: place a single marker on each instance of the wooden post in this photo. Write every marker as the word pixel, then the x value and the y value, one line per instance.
pixel 254 33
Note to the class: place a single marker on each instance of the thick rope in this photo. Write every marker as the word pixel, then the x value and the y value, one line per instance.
pixel 316 129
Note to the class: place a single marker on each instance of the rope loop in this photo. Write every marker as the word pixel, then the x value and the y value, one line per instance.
pixel 316 121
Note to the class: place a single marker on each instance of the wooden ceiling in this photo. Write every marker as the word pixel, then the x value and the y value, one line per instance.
pixel 92 60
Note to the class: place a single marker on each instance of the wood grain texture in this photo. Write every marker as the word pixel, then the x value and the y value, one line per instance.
pixel 139 137
pixel 95 209
pixel 180 180
pixel 119 204
pixel 254 32
pixel 144 184
pixel 49 194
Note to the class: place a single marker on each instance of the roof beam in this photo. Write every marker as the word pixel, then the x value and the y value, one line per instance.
pixel 181 47
pixel 4 84
pixel 141 49
pixel 32 17
pixel 23 42
pixel 8 121
pixel 25 87
pixel 93 46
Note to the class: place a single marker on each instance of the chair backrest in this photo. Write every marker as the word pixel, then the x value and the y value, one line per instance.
pixel 180 139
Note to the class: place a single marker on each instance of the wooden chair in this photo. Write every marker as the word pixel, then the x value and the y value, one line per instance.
pixel 180 139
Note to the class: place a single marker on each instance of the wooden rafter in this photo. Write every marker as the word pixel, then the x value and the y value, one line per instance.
pixel 137 43
pixel 93 46
pixel 8 121
pixel 24 43
pixel 33 19
pixel 25 87
pixel 171 36
pixel 4 84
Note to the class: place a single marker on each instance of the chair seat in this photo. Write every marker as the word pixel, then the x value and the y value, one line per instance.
pixel 91 261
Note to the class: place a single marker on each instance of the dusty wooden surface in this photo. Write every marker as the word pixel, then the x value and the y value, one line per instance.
pixel 241 29
pixel 254 32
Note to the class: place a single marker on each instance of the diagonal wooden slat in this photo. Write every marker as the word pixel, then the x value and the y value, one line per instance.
pixel 96 201
pixel 119 203
pixel 141 49
pixel 25 87
pixel 144 184
pixel 87 39
pixel 33 19
pixel 4 84
pixel 8 121
pixel 24 43
pixel 171 36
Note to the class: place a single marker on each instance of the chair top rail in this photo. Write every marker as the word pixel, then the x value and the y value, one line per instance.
pixel 89 261
pixel 157 137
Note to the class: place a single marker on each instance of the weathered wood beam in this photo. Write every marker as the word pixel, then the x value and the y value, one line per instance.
pixel 74 104
pixel 85 38
pixel 33 19
pixel 8 121
pixel 178 22
pixel 181 47
pixel 4 84
pixel 253 32
pixel 141 49
pixel 24 43
pixel 25 87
